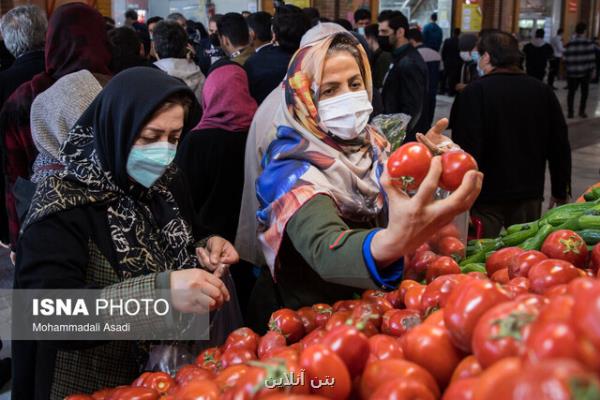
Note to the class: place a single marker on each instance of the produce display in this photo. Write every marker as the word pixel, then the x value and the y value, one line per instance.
pixel 514 317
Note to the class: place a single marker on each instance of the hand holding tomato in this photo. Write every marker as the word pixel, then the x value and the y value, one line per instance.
pixel 412 221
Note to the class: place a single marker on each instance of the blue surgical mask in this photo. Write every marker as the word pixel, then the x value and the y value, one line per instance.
pixel 361 30
pixel 148 162
pixel 475 56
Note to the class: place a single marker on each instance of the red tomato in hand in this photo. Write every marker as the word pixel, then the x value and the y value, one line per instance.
pixel 288 323
pixel 403 389
pixel 398 322
pixel 380 372
pixel 467 303
pixel 566 245
pixel 242 339
pixel 384 347
pixel 210 359
pixel 430 347
pixel 351 346
pixel 522 263
pixel 442 266
pixel 271 341
pixel 549 273
pixel 469 367
pixel 309 319
pixel 452 247
pixel 322 363
pixel 408 165
pixel 159 381
pixel 501 331
pixel 501 259
pixel 455 164
pixel 323 313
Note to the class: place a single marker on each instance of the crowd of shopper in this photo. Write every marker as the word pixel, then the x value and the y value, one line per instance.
pixel 156 155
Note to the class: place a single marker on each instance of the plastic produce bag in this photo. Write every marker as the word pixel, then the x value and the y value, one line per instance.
pixel 393 127
pixel 169 356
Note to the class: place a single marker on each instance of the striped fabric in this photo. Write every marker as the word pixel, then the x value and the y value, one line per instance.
pixel 579 57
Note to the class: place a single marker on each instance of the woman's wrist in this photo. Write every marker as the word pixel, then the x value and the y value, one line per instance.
pixel 387 247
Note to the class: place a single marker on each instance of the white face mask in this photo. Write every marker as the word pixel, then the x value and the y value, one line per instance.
pixel 346 115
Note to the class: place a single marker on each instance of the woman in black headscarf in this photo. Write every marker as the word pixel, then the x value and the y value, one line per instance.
pixel 117 218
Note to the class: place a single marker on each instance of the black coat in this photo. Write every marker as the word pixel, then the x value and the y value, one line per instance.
pixel 405 89
pixel 23 69
pixel 512 124
pixel 266 69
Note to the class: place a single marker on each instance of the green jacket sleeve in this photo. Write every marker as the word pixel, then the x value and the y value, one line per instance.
pixel 328 245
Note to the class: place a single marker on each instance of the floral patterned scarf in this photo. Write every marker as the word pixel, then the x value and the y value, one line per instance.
pixel 305 160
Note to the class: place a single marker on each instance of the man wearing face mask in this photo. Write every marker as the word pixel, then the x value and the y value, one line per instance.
pixel 381 59
pixel 469 59
pixel 210 48
pixel 405 86
pixel 511 137
pixel 362 18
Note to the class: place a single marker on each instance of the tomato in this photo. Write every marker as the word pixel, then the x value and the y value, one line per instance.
pixel 467 303
pixel 430 347
pixel 134 393
pixel 196 390
pixel 384 347
pixel 286 353
pixel 500 332
pixel 408 165
pixel 338 318
pixel 442 266
pixel 557 290
pixel 462 389
pixel 345 305
pixel 522 263
pixel 402 389
pixel 452 247
pixel 380 372
pixel 395 298
pixel 229 376
pixel 159 381
pixel 551 272
pixel 405 285
pixel 455 165
pixel 501 276
pixel 234 357
pixel 469 367
pixel 558 379
pixel 595 258
pixel 447 230
pixel 309 319
pixel 367 312
pixel 191 372
pixel 323 313
pixel 421 262
pixel 288 323
pixel 477 275
pixel 102 394
pixel 566 245
pixel 351 346
pixel 321 363
pixel 518 285
pixel 437 292
pixel 272 340
pixel 436 318
pixel 382 304
pixel 210 359
pixel 501 259
pixel 242 339
pixel 586 313
pixel 412 299
pixel 498 375
pixel 79 397
pixel 398 322
pixel 552 339
pixel 580 285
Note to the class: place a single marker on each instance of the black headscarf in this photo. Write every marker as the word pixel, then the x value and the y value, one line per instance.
pixel 145 224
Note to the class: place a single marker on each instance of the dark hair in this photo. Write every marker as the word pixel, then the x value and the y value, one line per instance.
pixel 560 31
pixel 176 17
pixel 456 32
pixel 434 16
pixel 324 19
pixel 109 22
pixel 182 99
pixel 362 13
pixel 539 33
pixel 344 42
pixel 170 39
pixel 399 21
pixel 312 14
pixel 372 31
pixel 288 9
pixel 153 20
pixel 580 28
pixel 344 23
pixel 387 15
pixel 234 27
pixel 260 23
pixel 414 34
pixel 246 13
pixel 289 29
pixel 216 18
pixel 502 47
pixel 125 49
pixel 131 14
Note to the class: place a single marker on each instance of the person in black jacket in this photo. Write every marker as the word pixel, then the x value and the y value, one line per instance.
pixel 405 87
pixel 452 62
pixel 267 67
pixel 537 55
pixel 511 137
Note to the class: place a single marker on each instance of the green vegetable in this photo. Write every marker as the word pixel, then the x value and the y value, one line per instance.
pixel 520 236
pixel 592 195
pixel 562 214
pixel 590 236
pixel 480 256
pixel 477 245
pixel 589 222
pixel 519 227
pixel 535 242
pixel 473 267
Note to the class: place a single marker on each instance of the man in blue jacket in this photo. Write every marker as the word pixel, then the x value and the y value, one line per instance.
pixel 432 34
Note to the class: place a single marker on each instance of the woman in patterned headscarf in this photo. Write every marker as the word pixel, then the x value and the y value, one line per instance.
pixel 117 218
pixel 323 189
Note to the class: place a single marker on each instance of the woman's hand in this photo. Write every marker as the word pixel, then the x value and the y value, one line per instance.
pixel 197 291
pixel 218 251
pixel 435 140
pixel 414 220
